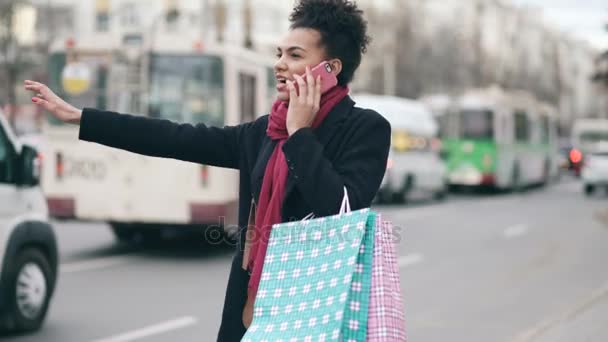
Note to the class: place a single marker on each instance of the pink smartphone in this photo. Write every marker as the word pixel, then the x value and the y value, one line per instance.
pixel 328 79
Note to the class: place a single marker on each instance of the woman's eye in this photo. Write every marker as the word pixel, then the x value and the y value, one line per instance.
pixel 295 56
pixel 278 55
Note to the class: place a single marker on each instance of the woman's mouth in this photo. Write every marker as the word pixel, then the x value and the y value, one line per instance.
pixel 281 84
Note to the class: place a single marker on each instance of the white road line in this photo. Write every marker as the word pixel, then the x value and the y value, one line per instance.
pixel 516 231
pixel 94 264
pixel 156 329
pixel 410 260
pixel 546 325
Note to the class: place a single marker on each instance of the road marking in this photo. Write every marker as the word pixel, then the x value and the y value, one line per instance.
pixel 516 231
pixel 410 260
pixel 156 329
pixel 94 264
pixel 546 325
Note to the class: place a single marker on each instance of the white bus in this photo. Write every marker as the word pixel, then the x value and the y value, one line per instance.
pixel 500 139
pixel 138 195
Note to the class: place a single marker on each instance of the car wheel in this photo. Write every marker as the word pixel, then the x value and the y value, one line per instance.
pixel 589 189
pixel 440 195
pixel 28 290
pixel 400 197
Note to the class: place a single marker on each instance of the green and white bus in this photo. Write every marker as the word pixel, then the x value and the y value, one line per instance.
pixel 499 139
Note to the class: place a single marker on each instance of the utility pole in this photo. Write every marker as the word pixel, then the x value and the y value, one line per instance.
pixel 220 20
pixel 247 24
pixel 204 18
pixel 478 43
pixel 601 76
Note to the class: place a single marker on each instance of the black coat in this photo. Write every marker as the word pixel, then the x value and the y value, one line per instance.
pixel 349 149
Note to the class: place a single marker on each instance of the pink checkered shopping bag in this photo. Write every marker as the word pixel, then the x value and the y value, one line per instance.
pixel 386 318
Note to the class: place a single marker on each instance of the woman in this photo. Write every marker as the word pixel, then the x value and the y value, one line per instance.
pixel 293 162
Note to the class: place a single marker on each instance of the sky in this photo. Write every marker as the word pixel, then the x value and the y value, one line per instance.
pixel 585 19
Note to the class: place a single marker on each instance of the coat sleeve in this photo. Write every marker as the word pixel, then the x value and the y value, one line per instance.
pixel 360 168
pixel 162 138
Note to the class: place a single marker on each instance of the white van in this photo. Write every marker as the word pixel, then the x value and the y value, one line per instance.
pixel 414 166
pixel 590 142
pixel 28 248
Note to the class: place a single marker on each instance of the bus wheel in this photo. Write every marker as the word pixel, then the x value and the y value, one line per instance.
pixel 516 180
pixel 123 232
pixel 589 189
pixel 136 233
pixel 546 173
pixel 441 194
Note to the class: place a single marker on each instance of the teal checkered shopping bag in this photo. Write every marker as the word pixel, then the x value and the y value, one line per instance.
pixel 316 280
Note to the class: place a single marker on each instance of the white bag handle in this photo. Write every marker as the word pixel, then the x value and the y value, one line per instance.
pixel 344 207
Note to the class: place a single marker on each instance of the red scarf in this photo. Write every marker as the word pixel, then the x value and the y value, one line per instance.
pixel 275 179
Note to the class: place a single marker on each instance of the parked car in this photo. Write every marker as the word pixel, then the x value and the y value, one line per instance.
pixel 28 248
pixel 414 166
pixel 595 171
pixel 588 136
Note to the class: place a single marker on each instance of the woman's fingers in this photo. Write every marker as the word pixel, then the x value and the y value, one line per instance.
pixel 42 103
pixel 33 87
pixel 310 82
pixel 302 87
pixel 292 90
pixel 317 94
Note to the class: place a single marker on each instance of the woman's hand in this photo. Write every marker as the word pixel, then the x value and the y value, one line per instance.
pixel 303 108
pixel 46 99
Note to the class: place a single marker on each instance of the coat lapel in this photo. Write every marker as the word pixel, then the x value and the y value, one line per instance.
pixel 326 131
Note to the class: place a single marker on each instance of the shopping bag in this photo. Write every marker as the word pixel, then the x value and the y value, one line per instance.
pixel 386 320
pixel 316 280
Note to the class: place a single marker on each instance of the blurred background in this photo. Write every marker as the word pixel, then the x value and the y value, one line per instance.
pixel 497 176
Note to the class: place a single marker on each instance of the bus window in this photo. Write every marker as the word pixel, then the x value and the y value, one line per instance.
pixel 187 89
pixel 247 92
pixel 477 124
pixel 522 127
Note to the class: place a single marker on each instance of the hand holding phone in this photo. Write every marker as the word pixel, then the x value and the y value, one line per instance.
pixel 324 71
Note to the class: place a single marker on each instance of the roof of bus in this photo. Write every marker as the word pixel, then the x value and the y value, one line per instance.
pixel 214 49
pixel 590 125
pixel 495 96
pixel 410 115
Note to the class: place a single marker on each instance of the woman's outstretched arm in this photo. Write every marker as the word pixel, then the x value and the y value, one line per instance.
pixel 152 137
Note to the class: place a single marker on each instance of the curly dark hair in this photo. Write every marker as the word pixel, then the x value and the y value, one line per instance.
pixel 343 31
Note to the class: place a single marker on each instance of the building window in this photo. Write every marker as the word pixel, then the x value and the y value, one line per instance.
pixel 102 15
pixel 129 15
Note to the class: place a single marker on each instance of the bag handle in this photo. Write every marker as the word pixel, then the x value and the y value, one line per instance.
pixel 344 207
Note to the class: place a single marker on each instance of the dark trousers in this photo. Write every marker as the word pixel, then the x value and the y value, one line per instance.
pixel 232 328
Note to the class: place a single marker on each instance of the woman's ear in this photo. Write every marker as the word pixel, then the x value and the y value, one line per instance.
pixel 336 66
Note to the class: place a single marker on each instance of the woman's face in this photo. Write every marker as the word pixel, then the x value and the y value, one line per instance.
pixel 298 49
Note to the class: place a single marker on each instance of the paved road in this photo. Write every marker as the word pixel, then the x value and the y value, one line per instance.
pixel 516 268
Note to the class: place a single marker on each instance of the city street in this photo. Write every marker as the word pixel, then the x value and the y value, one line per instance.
pixel 521 267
